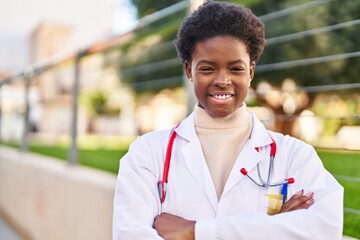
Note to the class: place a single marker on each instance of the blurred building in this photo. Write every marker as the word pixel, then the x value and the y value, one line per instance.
pixel 33 31
pixel 88 20
pixel 54 87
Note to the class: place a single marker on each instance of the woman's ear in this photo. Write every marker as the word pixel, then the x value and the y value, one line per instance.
pixel 252 70
pixel 187 68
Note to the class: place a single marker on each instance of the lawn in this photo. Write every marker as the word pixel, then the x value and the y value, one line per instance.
pixel 346 163
pixel 103 159
pixel 339 163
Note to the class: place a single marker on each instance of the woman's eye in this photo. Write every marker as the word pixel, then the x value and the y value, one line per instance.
pixel 237 69
pixel 206 69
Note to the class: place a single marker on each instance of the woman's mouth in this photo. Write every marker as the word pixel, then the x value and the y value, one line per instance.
pixel 221 96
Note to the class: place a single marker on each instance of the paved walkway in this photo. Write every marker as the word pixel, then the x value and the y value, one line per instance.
pixel 6 233
pixel 348 238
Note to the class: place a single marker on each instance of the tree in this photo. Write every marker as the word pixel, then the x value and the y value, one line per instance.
pixel 339 41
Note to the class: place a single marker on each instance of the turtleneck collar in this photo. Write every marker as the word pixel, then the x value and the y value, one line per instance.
pixel 241 117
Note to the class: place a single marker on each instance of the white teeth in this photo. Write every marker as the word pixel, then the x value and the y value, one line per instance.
pixel 222 97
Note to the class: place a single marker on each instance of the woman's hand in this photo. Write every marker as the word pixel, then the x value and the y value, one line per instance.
pixel 171 227
pixel 298 201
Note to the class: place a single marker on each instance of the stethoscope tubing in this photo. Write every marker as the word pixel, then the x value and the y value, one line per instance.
pixel 162 184
pixel 265 185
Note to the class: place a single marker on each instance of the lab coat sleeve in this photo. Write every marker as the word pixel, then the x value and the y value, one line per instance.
pixel 136 200
pixel 323 220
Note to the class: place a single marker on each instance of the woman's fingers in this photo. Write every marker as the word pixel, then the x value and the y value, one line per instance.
pixel 298 201
pixel 171 227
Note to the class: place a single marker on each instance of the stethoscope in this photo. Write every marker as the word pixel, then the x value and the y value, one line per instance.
pixel 162 184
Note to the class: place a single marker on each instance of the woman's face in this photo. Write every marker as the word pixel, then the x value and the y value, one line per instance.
pixel 221 73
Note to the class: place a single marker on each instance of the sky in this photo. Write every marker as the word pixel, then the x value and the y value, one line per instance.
pixel 125 17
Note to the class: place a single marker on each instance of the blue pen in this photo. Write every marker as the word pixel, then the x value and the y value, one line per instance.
pixel 284 190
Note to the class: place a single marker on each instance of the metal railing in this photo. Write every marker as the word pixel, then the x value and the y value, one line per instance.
pixel 27 75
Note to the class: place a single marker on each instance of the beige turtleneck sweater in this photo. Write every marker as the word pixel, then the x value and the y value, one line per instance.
pixel 221 140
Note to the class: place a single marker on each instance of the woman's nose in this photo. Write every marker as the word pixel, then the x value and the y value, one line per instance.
pixel 222 80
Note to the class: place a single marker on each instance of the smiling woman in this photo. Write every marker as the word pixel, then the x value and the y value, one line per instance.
pixel 188 182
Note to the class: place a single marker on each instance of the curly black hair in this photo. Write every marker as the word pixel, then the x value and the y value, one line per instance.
pixel 220 19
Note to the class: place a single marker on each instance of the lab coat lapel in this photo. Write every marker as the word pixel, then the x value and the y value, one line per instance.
pixel 194 157
pixel 249 157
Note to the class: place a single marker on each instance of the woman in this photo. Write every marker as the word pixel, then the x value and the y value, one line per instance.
pixel 221 153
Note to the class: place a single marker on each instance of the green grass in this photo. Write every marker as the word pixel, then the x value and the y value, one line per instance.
pixel 107 160
pixel 344 163
pixel 103 159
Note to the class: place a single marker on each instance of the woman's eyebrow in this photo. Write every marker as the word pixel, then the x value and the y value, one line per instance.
pixel 205 62
pixel 237 61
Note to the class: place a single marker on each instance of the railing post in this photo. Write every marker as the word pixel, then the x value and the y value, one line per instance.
pixel 25 135
pixel 73 152
pixel 1 104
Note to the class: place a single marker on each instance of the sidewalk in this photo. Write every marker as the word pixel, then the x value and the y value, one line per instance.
pixel 348 238
pixel 6 233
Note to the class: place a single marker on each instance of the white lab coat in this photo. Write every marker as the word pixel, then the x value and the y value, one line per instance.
pixel 241 212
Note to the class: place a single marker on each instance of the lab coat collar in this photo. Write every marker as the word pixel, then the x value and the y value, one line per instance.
pixel 186 128
pixel 259 136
